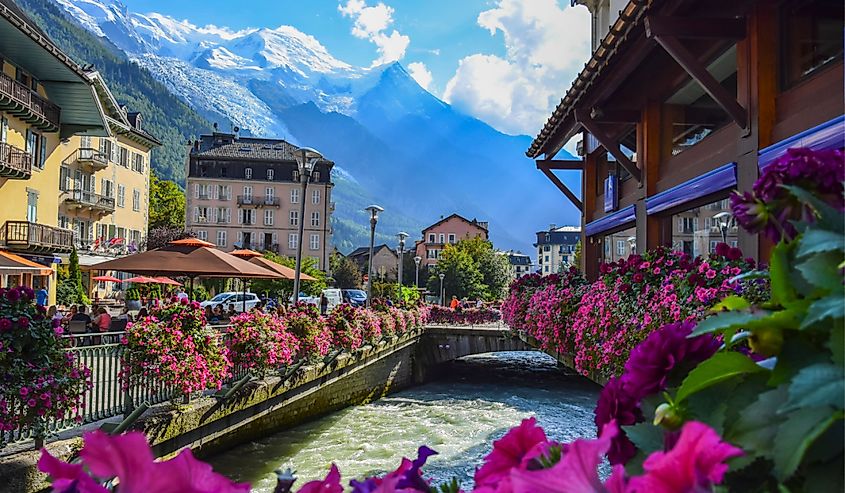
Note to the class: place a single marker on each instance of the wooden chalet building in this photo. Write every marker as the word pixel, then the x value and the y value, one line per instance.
pixel 683 102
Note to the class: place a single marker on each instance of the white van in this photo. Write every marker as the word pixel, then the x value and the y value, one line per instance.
pixel 334 295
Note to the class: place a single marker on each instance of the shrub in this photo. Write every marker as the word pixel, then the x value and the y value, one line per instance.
pixel 260 342
pixel 306 323
pixel 345 325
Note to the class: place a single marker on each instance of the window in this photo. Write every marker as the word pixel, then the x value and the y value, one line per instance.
pixel 718 226
pixel 294 196
pixel 269 175
pixel 295 175
pixel 293 240
pixel 36 145
pixel 4 127
pixel 247 216
pixel 248 173
pixel 294 218
pixel 713 244
pixel 121 196
pixel 315 197
pixel 268 217
pixel 547 248
pixel 451 237
pixel 315 176
pixel 123 156
pixel 315 219
pixel 32 206
pixel 136 199
pixel 430 253
pixel 546 259
pixel 314 242
pixel 224 192
pixel 247 194
pixel 431 237
pixel 221 238
pixel 811 37
pixel 442 238
pixel 620 247
pixel 202 234
pixel 223 214
pixel 138 162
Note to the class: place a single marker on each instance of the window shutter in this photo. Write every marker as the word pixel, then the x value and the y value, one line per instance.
pixel 196 214
pixel 241 218
pixel 215 192
pixel 214 215
pixel 196 191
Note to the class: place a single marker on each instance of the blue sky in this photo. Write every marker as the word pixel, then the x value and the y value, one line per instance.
pixel 506 62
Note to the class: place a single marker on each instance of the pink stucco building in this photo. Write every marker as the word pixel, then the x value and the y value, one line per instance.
pixel 448 230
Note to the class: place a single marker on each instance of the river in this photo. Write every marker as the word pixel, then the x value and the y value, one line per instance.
pixel 459 416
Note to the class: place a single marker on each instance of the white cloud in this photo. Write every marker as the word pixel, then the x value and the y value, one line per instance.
pixel 420 73
pixel 546 45
pixel 372 23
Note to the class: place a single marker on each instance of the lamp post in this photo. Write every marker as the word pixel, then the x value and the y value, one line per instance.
pixel 724 219
pixel 417 261
pixel 306 159
pixel 401 235
pixel 442 294
pixel 373 210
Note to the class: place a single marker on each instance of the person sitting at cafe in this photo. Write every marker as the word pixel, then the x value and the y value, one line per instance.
pixel 124 315
pixel 101 320
pixel 54 314
pixel 78 314
pixel 142 313
pixel 217 314
pixel 231 313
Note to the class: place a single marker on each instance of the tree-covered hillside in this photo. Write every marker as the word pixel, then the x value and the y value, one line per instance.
pixel 165 116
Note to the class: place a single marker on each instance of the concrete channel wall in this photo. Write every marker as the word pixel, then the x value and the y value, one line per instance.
pixel 264 406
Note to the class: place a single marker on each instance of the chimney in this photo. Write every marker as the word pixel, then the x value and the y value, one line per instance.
pixel 552 227
pixel 214 126
pixel 235 131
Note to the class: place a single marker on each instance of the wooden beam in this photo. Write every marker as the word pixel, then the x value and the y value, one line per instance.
pixel 563 188
pixel 616 116
pixel 610 144
pixel 566 164
pixel 695 28
pixel 699 73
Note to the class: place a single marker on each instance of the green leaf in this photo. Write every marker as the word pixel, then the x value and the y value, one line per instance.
pixel 836 344
pixel 796 434
pixel 820 270
pixel 645 436
pixel 756 426
pixel 782 288
pixel 720 367
pixel 829 307
pixel 820 240
pixel 726 320
pixel 731 303
pixel 828 217
pixel 816 385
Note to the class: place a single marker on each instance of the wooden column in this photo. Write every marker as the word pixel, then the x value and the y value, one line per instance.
pixel 590 254
pixel 650 144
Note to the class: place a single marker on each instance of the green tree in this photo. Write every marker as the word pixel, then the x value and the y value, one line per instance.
pixel 462 276
pixel 283 288
pixel 167 204
pixel 70 289
pixel 345 272
pixel 495 269
pixel 576 256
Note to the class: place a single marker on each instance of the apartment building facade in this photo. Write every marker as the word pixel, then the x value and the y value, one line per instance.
pixel 556 248
pixel 45 99
pixel 385 262
pixel 448 231
pixel 520 264
pixel 244 192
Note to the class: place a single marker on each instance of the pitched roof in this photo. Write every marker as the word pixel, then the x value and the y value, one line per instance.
pixel 474 222
pixel 364 251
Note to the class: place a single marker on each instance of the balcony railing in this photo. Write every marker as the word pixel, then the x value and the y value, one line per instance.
pixel 272 201
pixel 15 163
pixel 21 101
pixel 247 200
pixel 95 201
pixel 89 157
pixel 204 196
pixel 24 235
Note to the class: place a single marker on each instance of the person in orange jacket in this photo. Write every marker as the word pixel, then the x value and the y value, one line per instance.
pixel 454 304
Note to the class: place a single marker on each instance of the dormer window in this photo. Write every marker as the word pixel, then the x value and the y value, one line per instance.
pixel 248 173
pixel 269 175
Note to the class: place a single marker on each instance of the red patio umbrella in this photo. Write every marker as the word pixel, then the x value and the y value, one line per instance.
pixel 247 254
pixel 167 280
pixel 142 280
pixel 106 279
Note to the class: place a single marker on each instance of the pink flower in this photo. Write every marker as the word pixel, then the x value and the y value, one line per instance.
pixel 68 477
pixel 329 485
pixel 576 472
pixel 513 450
pixel 23 322
pixel 695 463
pixel 710 274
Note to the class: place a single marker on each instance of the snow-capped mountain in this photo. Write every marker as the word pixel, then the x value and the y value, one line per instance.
pixel 411 151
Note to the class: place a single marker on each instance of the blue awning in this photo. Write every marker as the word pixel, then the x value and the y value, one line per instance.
pixel 611 221
pixel 721 178
pixel 828 135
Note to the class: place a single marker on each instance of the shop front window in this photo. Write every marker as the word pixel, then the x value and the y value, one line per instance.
pixel 812 36
pixel 619 245
pixel 697 231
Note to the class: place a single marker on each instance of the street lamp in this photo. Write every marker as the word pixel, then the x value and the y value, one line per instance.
pixel 724 219
pixel 306 159
pixel 442 294
pixel 373 210
pixel 632 242
pixel 417 261
pixel 401 235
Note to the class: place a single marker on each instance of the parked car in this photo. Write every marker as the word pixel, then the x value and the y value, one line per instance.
pixel 233 298
pixel 355 297
pixel 334 296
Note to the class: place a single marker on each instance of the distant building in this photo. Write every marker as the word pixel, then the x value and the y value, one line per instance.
pixel 448 230
pixel 385 262
pixel 556 248
pixel 520 264
pixel 244 192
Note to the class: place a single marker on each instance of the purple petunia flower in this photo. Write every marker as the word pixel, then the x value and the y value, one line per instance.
pixel 13 295
pixel 615 404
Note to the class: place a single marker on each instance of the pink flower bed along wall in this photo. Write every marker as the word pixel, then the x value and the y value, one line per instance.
pixel 174 346
pixel 599 323
pixel 468 316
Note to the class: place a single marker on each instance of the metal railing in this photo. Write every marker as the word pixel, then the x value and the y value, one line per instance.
pixel 248 200
pixel 24 235
pixel 89 156
pixel 14 162
pixel 272 201
pixel 91 199
pixel 18 98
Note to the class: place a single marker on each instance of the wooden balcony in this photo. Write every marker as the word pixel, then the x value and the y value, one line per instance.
pixel 83 199
pixel 21 101
pixel 15 164
pixel 87 157
pixel 32 237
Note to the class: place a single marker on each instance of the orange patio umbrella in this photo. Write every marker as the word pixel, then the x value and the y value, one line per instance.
pixel 246 253
pixel 280 269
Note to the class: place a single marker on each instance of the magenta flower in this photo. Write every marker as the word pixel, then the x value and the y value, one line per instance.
pixel 618 407
pixel 13 295
pixel 329 485
pixel 695 463
pixel 23 322
pixel 514 450
pixel 68 478
pixel 576 472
